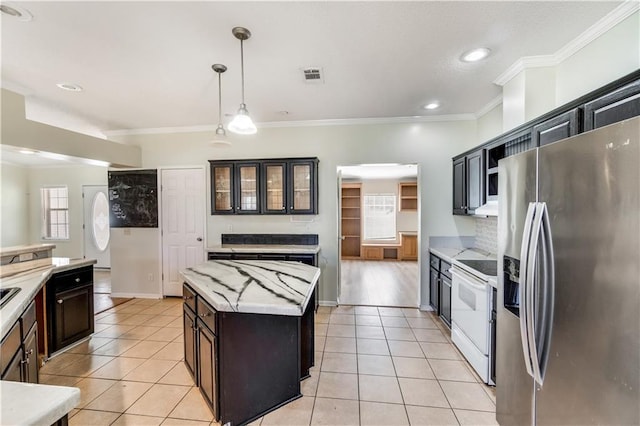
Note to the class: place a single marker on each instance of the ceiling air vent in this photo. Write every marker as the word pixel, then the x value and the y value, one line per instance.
pixel 313 75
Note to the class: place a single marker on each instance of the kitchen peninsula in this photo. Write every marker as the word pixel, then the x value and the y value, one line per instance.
pixel 249 333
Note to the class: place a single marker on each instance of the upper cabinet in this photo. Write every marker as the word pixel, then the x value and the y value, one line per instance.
pixel 619 105
pixel 557 128
pixel 272 186
pixel 468 182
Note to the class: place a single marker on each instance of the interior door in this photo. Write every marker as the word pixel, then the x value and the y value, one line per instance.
pixel 96 224
pixel 339 192
pixel 183 212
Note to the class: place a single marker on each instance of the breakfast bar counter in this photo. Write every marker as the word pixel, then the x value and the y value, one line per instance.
pixel 249 334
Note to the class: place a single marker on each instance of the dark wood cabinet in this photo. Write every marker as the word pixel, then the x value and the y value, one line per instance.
pixel 440 287
pixel 468 183
pixel 69 307
pixel 270 186
pixel 434 289
pixel 445 298
pixel 616 106
pixel 459 186
pixel 557 128
pixel 207 366
pixel 19 349
pixel 309 259
pixel 190 338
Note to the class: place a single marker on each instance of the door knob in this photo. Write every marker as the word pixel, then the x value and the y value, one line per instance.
pixel 60 301
pixel 343 238
pixel 199 239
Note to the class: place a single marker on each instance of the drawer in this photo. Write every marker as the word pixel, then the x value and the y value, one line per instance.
pixel 28 318
pixel 434 261
pixel 207 315
pixel 219 256
pixel 74 278
pixel 189 297
pixel 10 346
pixel 444 269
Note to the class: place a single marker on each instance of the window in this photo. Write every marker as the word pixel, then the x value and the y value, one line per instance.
pixel 55 213
pixel 380 217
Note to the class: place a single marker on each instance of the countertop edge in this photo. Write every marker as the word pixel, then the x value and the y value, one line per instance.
pixel 34 404
pixel 264 248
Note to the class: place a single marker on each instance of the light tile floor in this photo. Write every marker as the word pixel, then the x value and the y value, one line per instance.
pixel 374 366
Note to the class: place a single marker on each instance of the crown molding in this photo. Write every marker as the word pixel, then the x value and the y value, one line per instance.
pixel 613 18
pixel 301 123
pixel 489 106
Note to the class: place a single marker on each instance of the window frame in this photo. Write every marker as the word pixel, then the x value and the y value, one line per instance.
pixel 366 216
pixel 45 214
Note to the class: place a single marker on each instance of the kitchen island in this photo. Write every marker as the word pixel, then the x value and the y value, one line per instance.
pixel 249 334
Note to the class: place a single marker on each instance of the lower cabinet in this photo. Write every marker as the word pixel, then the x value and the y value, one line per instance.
pixel 440 288
pixel 69 307
pixel 434 289
pixel 207 367
pixel 19 349
pixel 309 259
pixel 190 338
pixel 445 299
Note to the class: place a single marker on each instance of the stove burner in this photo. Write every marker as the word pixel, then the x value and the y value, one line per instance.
pixel 486 267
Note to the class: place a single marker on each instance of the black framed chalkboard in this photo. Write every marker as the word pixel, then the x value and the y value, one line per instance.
pixel 133 199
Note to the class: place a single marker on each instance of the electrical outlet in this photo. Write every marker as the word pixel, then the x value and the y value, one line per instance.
pixel 150 277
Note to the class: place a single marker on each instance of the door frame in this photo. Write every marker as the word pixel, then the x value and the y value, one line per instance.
pixel 206 201
pixel 339 229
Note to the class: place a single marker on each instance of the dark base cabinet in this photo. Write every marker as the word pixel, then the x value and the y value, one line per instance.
pixel 19 349
pixel 246 365
pixel 69 307
pixel 440 288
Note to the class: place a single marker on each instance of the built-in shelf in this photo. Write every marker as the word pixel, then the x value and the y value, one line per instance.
pixel 350 220
pixel 408 196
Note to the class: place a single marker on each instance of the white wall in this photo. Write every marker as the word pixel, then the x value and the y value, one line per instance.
pixel 490 124
pixel 614 54
pixel 540 92
pixel 73 177
pixel 430 144
pixel 136 259
pixel 14 203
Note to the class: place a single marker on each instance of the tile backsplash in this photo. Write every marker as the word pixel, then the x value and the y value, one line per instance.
pixel 487 234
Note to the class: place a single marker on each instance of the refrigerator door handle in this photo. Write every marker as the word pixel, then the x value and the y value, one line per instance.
pixel 523 283
pixel 548 293
pixel 532 290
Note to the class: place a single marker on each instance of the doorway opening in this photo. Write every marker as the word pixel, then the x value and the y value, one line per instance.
pixel 378 234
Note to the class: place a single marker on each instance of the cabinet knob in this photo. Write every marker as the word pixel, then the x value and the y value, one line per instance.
pixel 24 361
pixel 77 280
pixel 199 239
pixel 206 314
pixel 187 297
pixel 29 352
pixel 60 301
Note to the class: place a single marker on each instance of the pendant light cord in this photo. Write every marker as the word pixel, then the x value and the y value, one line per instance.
pixel 242 66
pixel 219 99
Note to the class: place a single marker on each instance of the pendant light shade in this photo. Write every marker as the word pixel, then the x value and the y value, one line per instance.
pixel 242 123
pixel 220 137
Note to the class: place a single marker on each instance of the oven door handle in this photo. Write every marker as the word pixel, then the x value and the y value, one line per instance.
pixel 469 279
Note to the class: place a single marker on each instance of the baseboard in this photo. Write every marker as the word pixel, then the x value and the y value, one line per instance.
pixel 327 303
pixel 426 308
pixel 137 295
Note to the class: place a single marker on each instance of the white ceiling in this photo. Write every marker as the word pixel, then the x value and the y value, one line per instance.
pixel 148 64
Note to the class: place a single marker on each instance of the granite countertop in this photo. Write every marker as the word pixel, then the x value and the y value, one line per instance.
pixel 31 404
pixel 254 286
pixel 30 282
pixel 10 251
pixel 264 248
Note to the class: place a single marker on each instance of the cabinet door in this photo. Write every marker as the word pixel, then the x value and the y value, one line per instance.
pixel 309 259
pixel 475 181
pixel 274 194
pixel 613 107
pixel 30 348
pixel 459 186
pixel 14 372
pixel 222 201
pixel 445 299
pixel 247 180
pixel 303 194
pixel 409 247
pixel 208 363
pixel 434 287
pixel 73 316
pixel 558 128
pixel 189 326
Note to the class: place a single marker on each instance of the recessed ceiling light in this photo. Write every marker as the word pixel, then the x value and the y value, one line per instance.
pixel 26 152
pixel 475 54
pixel 15 11
pixel 70 87
pixel 432 105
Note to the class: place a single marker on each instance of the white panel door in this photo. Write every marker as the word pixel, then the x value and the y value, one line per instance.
pixel 183 213
pixel 96 225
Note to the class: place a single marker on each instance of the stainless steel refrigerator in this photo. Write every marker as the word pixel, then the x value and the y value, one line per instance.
pixel 568 323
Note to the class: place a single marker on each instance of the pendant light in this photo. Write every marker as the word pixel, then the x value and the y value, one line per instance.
pixel 221 136
pixel 242 123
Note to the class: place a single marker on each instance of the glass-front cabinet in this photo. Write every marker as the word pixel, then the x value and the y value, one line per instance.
pixel 222 199
pixel 270 186
pixel 274 187
pixel 247 178
pixel 303 186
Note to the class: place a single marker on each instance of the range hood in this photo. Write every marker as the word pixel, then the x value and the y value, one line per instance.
pixel 488 209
